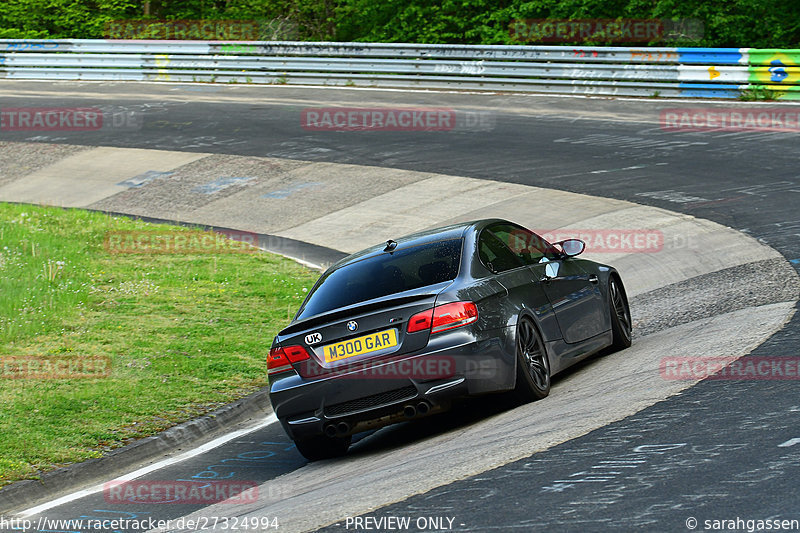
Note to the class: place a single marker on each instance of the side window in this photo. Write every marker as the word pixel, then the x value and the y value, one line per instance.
pixel 494 254
pixel 526 245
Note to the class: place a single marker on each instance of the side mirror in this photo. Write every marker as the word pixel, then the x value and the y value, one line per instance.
pixel 572 247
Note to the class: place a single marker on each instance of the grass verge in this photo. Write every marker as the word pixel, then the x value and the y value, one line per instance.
pixel 183 332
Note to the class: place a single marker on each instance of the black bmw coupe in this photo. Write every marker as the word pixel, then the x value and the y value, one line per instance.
pixel 400 330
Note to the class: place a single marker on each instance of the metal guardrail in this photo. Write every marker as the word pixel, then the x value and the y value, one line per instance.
pixel 623 71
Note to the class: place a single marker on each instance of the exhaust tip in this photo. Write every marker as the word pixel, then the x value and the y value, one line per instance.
pixel 330 430
pixel 423 408
pixel 342 428
pixel 409 411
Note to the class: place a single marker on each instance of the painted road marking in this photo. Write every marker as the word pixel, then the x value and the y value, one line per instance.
pixel 222 184
pixel 285 193
pixel 635 167
pixel 790 442
pixel 271 419
pixel 143 179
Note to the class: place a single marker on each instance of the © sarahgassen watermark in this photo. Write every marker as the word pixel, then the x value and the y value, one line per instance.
pixel 181 242
pixel 730 368
pixel 54 367
pixel 68 119
pixel 620 30
pixel 730 119
pixel 394 119
pixel 743 524
pixel 180 492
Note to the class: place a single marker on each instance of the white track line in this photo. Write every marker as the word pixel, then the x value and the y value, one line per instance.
pixel 271 419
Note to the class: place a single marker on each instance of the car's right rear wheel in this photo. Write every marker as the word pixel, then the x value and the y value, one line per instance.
pixel 533 366
pixel 620 315
pixel 322 447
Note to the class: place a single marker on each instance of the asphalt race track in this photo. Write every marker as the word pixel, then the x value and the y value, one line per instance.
pixel 614 458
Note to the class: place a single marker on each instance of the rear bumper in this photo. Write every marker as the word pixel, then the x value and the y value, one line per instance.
pixel 411 402
pixel 390 392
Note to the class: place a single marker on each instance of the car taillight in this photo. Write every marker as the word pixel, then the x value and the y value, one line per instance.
pixel 454 315
pixel 281 359
pixel 444 317
pixel 421 321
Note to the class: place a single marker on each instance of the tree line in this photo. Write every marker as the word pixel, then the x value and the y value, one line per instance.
pixel 717 23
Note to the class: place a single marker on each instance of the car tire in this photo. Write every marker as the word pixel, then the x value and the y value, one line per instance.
pixel 620 315
pixel 533 366
pixel 322 447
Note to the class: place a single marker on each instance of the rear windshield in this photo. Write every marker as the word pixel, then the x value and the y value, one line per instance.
pixel 384 274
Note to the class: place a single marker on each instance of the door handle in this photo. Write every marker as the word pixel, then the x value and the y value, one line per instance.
pixel 593 278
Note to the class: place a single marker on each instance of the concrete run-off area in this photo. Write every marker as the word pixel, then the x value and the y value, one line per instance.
pixel 685 300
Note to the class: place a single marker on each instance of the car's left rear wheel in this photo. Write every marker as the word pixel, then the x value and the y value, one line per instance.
pixel 533 366
pixel 322 447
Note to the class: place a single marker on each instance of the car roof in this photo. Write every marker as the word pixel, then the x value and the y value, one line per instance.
pixel 453 231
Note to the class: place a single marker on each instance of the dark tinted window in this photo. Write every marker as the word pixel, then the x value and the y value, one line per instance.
pixel 494 254
pixel 526 245
pixel 384 274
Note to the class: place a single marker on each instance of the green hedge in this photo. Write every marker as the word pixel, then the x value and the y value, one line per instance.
pixel 727 23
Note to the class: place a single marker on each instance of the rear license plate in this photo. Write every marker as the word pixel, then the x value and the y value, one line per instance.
pixel 360 345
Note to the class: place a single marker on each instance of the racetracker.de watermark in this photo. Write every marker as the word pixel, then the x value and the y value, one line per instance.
pixel 54 367
pixel 730 368
pixel 180 492
pixel 605 30
pixel 730 119
pixel 181 242
pixel 394 119
pixel 625 241
pixel 198 30
pixel 68 119
pixel 123 521
pixel 422 368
